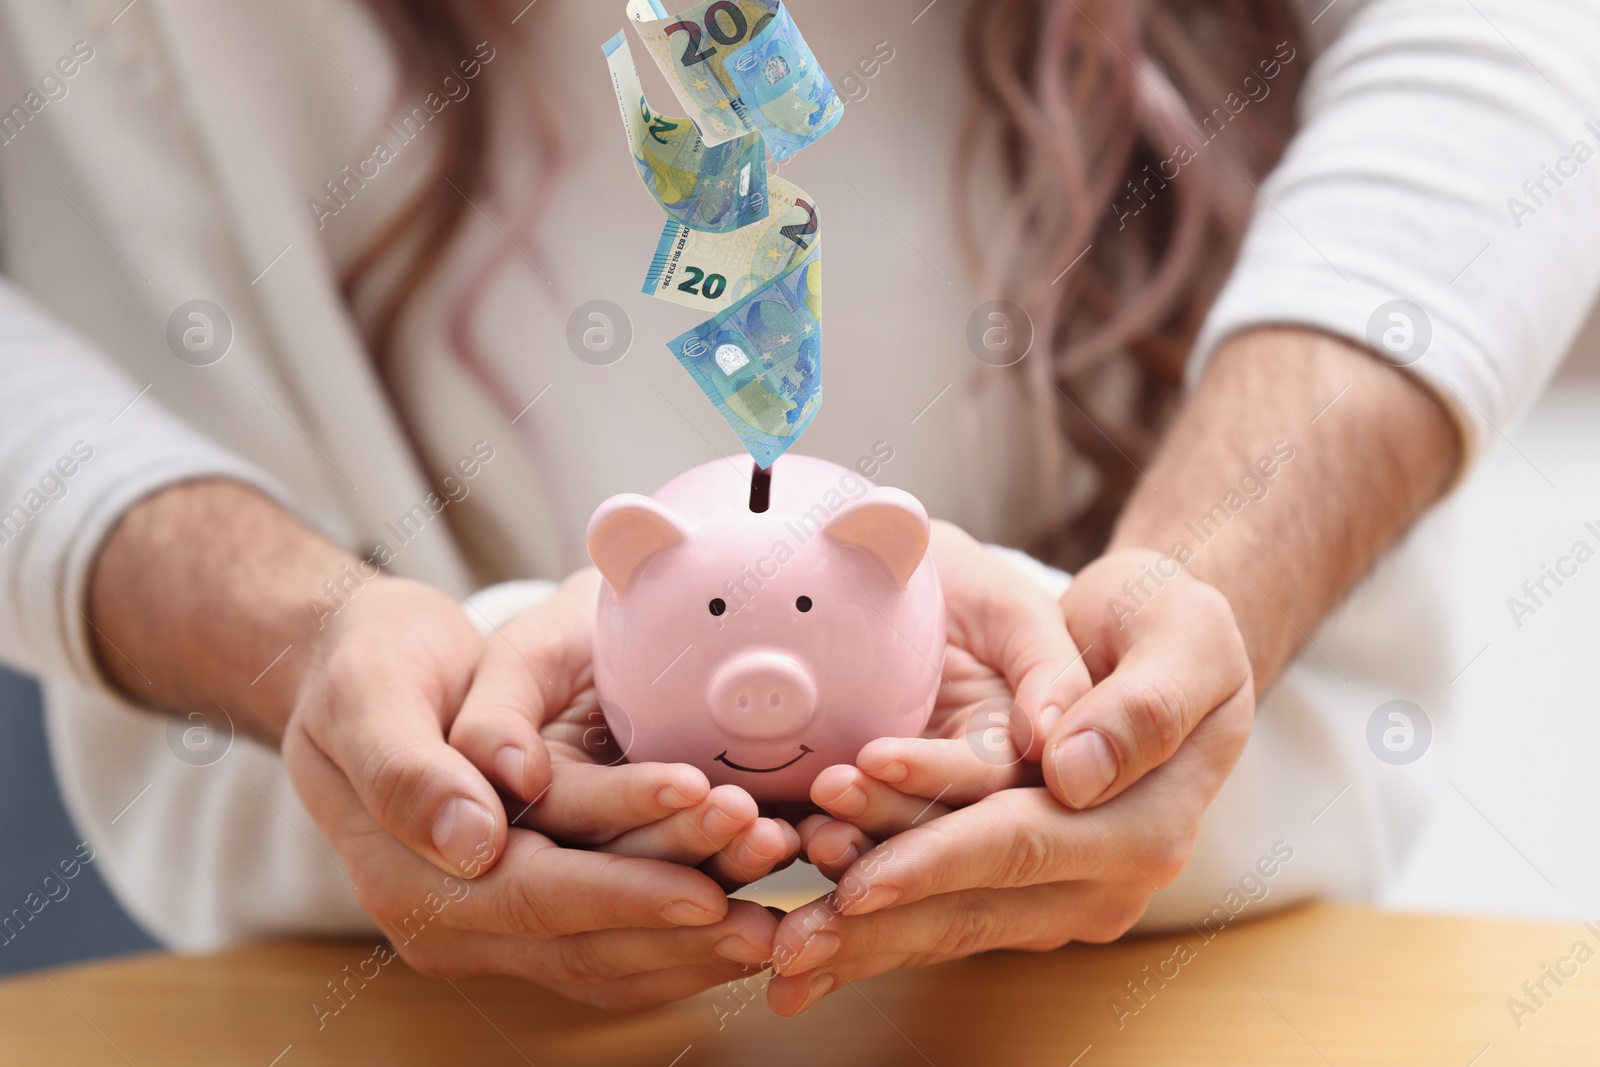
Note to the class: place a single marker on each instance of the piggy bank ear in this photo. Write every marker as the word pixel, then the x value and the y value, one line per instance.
pixel 889 523
pixel 627 530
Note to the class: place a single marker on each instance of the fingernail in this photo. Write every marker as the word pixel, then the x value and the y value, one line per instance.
pixel 851 803
pixel 891 772
pixel 739 950
pixel 819 950
pixel 1048 719
pixel 1085 766
pixel 818 989
pixel 875 899
pixel 688 913
pixel 850 854
pixel 669 797
pixel 756 858
pixel 461 828
pixel 719 823
pixel 508 765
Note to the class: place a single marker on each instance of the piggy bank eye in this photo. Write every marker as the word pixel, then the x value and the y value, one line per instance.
pixel 718 606
pixel 804 603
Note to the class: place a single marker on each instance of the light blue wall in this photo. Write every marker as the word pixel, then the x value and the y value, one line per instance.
pixel 35 837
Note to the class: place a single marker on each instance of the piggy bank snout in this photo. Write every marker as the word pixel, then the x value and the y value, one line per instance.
pixel 762 694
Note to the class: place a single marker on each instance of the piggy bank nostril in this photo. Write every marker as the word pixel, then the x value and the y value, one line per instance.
pixel 743 701
pixel 775 699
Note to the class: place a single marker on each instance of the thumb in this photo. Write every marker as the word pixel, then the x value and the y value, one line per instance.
pixel 1168 680
pixel 534 667
pixel 388 682
pixel 391 749
pixel 498 727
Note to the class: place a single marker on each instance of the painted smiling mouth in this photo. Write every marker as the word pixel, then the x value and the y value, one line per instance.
pixel 804 752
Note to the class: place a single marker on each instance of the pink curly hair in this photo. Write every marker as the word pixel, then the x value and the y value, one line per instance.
pixel 1132 178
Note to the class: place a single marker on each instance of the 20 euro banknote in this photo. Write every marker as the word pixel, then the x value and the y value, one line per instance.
pixel 741 66
pixel 759 361
pixel 716 188
pixel 712 271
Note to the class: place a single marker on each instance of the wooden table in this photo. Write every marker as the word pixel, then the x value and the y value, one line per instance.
pixel 1319 986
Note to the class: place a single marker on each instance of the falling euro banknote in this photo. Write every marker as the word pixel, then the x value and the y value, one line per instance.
pixel 711 271
pixel 741 67
pixel 736 243
pixel 760 360
pixel 718 188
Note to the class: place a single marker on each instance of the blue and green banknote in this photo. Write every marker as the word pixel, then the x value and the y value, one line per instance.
pixel 719 187
pixel 760 360
pixel 741 66
pixel 737 243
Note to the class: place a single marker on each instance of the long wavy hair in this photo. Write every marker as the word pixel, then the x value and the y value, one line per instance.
pixel 1131 134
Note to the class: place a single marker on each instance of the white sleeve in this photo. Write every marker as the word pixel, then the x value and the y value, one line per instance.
pixel 1449 156
pixel 1051 580
pixel 80 443
pixel 493 606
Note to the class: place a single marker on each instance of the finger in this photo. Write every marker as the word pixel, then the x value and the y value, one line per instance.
pixel 540 890
pixel 387 739
pixel 743 939
pixel 879 810
pixel 497 729
pixel 643 992
pixel 944 768
pixel 695 834
pixel 532 668
pixel 808 827
pixel 765 846
pixel 1139 715
pixel 588 804
pixel 1016 838
pixel 1022 837
pixel 814 941
pixel 832 846
pixel 1006 620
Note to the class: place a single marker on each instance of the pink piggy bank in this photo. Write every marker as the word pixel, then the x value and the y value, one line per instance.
pixel 762 630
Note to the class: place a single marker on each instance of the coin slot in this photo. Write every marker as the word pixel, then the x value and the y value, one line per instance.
pixel 760 490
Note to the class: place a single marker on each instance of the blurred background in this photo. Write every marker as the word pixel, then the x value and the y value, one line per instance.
pixel 1512 831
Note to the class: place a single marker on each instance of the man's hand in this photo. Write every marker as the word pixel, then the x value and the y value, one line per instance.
pixel 1372 448
pixel 1014 869
pixel 1176 666
pixel 365 747
pixel 386 679
pixel 1158 671
pixel 202 586
pixel 1011 867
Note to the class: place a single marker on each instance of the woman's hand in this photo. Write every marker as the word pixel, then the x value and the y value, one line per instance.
pixel 425 841
pixel 533 694
pixel 1172 706
pixel 1009 666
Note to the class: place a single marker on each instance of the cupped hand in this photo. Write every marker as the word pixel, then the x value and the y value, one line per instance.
pixel 1010 665
pixel 1017 867
pixel 1165 652
pixel 387 676
pixel 425 841
pixel 533 725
